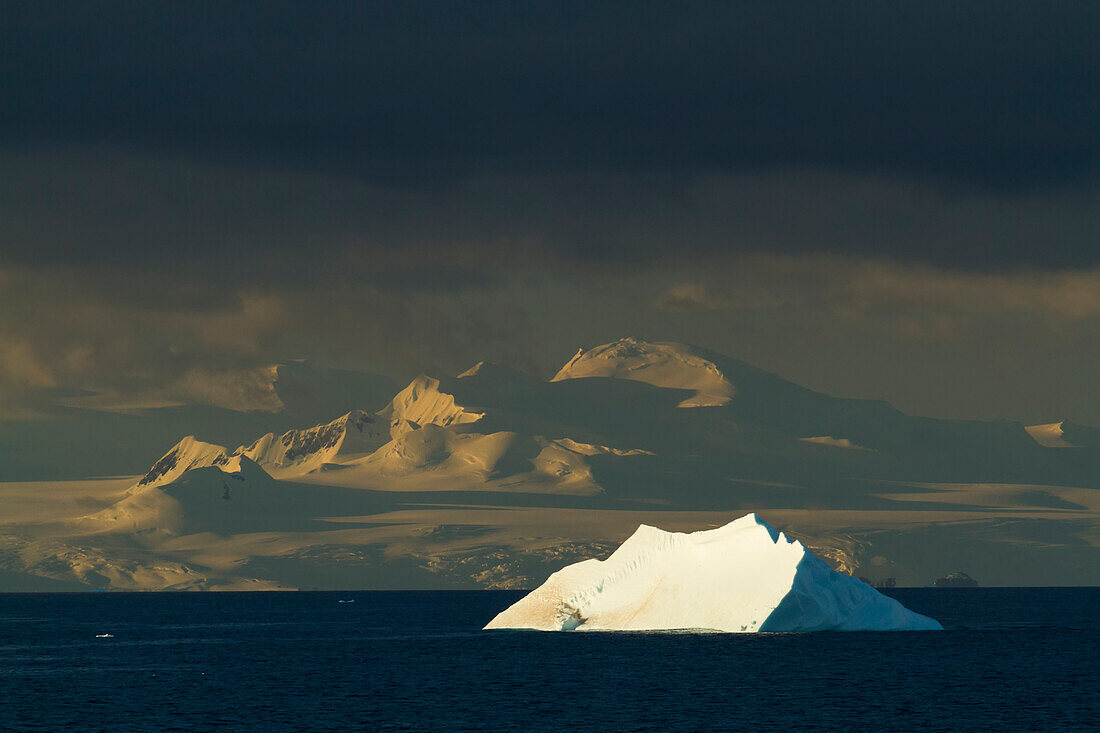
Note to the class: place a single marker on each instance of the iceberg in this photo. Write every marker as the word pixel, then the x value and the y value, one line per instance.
pixel 743 577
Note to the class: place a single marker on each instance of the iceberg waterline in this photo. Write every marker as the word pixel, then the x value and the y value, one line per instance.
pixel 742 577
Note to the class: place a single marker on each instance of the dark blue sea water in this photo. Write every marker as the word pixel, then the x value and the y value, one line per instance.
pixel 1011 659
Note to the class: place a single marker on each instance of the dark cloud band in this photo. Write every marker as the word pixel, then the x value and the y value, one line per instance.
pixel 998 92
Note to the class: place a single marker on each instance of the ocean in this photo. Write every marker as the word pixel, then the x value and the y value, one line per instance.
pixel 1009 659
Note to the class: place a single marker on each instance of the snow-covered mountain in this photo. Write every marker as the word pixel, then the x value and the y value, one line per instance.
pixel 493 476
pixel 1065 434
pixel 751 409
pixel 661 364
pixel 350 436
pixel 422 403
pixel 91 441
pixel 616 414
pixel 187 455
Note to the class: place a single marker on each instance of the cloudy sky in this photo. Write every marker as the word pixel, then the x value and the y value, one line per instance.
pixel 889 200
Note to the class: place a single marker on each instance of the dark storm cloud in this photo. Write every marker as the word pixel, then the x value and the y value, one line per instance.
pixel 627 102
pixel 169 231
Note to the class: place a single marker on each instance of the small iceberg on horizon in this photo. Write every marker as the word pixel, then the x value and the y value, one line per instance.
pixel 743 577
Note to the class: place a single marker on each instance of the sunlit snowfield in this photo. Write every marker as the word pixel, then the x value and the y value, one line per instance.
pixel 1010 659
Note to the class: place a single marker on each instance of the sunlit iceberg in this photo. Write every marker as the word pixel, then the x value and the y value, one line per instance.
pixel 743 577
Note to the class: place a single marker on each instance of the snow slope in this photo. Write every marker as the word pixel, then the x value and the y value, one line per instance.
pixel 424 403
pixel 184 456
pixel 439 458
pixel 223 502
pixel 1064 435
pixel 1050 435
pixel 296 452
pixel 743 577
pixel 157 507
pixel 660 364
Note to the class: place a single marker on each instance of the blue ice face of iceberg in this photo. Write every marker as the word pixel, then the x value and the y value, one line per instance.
pixel 821 599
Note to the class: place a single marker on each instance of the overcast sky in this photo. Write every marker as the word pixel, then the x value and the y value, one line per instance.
pixel 891 200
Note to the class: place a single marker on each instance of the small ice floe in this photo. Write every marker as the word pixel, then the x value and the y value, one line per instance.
pixel 104 636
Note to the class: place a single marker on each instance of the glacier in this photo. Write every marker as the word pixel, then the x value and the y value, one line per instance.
pixel 743 577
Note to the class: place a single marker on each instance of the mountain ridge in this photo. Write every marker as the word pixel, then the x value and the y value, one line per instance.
pixel 492 477
pixel 632 397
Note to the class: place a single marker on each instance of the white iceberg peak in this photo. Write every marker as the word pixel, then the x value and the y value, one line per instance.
pixel 745 576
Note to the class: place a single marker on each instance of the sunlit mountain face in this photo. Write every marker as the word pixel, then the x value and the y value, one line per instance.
pixel 833 265
pixel 494 477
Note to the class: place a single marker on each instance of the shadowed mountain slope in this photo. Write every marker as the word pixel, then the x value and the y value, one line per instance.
pixel 492 477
